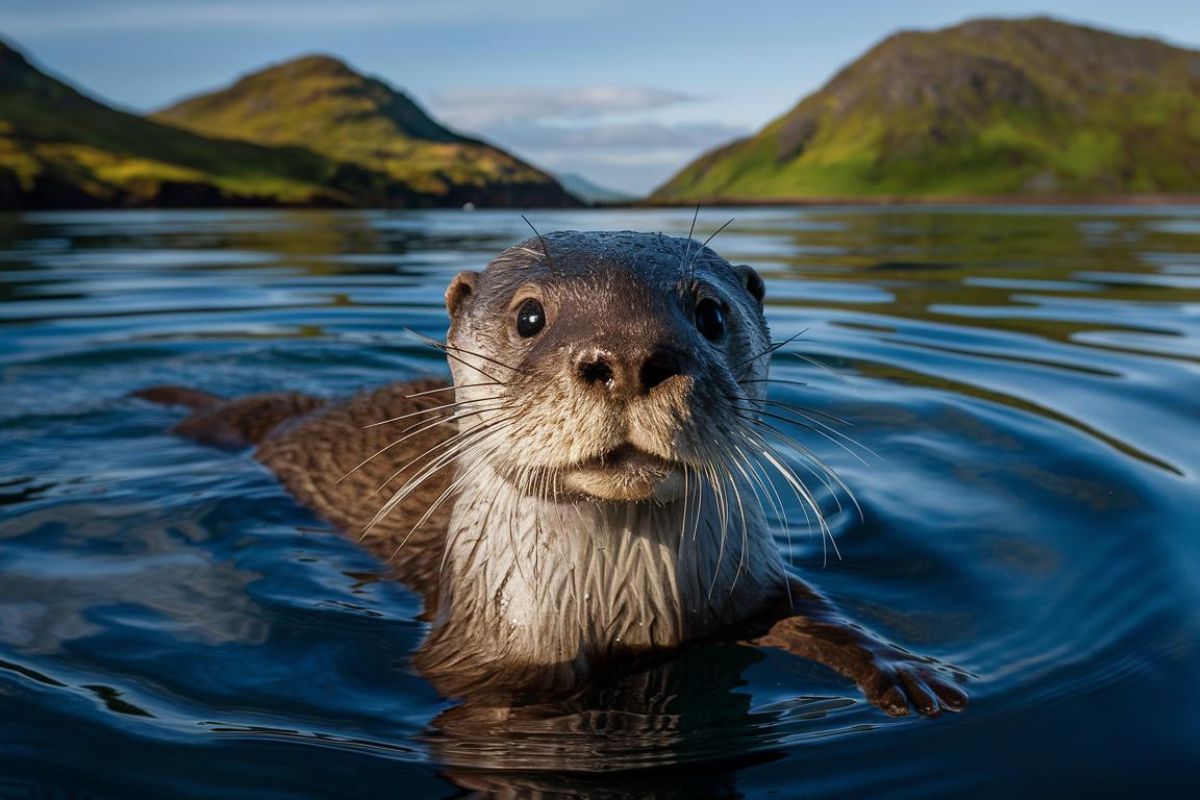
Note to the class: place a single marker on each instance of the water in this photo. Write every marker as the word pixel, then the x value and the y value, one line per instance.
pixel 172 624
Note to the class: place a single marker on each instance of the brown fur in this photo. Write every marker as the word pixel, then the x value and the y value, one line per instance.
pixel 316 458
pixel 547 557
pixel 314 448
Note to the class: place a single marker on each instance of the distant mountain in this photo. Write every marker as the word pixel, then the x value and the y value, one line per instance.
pixel 321 104
pixel 62 149
pixel 1031 107
pixel 589 192
pixel 59 148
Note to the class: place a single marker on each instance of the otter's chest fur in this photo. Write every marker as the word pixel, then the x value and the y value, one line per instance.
pixel 527 582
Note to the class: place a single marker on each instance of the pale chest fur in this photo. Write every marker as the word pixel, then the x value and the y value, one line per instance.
pixel 542 583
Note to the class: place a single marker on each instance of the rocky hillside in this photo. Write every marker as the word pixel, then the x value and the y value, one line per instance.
pixel 61 149
pixel 1030 108
pixel 319 103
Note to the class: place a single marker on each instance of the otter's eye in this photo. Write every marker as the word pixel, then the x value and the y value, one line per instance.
pixel 531 318
pixel 710 319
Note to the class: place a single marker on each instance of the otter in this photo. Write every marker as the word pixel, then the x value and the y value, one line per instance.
pixel 582 497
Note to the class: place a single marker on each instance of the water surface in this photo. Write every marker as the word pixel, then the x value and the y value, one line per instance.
pixel 173 624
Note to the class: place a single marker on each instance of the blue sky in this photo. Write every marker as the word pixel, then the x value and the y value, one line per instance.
pixel 622 92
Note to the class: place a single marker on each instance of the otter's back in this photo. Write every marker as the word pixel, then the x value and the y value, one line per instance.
pixel 320 459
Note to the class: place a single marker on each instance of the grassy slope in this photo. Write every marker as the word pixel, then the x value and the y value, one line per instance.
pixel 60 148
pixel 319 103
pixel 984 108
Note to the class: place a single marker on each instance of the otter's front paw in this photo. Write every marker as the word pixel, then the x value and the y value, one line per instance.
pixel 896 680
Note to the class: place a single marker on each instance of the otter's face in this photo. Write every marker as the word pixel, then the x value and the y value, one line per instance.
pixel 615 369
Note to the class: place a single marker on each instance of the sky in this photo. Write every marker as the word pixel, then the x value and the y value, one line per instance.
pixel 623 92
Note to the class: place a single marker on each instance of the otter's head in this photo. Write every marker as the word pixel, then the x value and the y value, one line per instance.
pixel 614 366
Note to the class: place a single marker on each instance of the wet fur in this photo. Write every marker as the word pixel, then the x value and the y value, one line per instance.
pixel 314 447
pixel 530 584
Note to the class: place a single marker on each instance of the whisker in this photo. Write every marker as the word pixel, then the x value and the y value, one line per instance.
pixel 692 265
pixel 699 502
pixel 763 481
pixel 769 349
pixel 795 407
pixel 454 441
pixel 789 475
pixel 439 463
pixel 452 387
pixel 809 455
pixel 446 347
pixel 468 364
pixel 813 427
pixel 812 464
pixel 431 410
pixel 713 235
pixel 745 532
pixel 804 412
pixel 806 499
pixel 683 523
pixel 804 495
pixel 542 239
pixel 429 512
pixel 774 380
pixel 423 426
pixel 823 366
pixel 683 262
pixel 724 508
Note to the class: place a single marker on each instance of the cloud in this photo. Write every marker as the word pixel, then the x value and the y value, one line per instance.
pixel 633 157
pixel 613 135
pixel 478 107
pixel 682 136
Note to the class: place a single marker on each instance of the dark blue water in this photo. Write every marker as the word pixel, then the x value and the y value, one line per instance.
pixel 172 624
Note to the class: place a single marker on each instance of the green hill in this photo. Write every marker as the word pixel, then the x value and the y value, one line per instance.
pixel 988 108
pixel 59 148
pixel 319 103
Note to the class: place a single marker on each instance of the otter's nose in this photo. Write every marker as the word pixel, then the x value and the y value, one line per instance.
pixel 629 375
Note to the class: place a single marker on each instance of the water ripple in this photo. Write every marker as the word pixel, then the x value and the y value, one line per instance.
pixel 172 624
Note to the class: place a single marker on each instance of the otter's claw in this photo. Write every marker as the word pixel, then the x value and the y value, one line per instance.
pixel 891 678
pixel 898 681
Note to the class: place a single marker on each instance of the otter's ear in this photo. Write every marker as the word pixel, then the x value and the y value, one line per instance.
pixel 459 290
pixel 752 281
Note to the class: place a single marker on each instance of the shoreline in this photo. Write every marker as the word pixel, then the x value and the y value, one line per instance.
pixel 1139 200
pixel 905 200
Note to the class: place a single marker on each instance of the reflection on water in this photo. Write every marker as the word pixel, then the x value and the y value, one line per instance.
pixel 172 624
